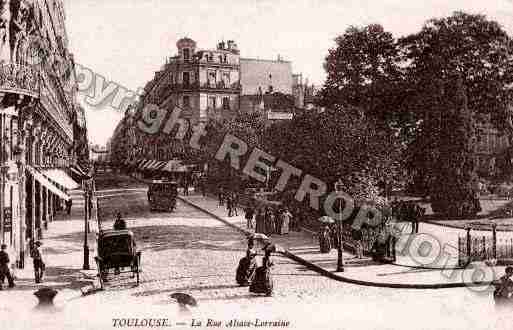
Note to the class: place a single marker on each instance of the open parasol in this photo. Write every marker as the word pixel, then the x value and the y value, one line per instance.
pixel 260 236
pixel 326 219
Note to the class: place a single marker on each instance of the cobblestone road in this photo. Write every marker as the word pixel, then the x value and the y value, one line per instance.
pixel 187 251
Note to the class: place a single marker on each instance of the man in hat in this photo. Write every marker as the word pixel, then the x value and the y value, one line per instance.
pixel 39 265
pixel 119 224
pixel 4 267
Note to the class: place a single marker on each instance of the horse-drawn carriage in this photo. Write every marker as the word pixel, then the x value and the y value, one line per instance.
pixel 162 195
pixel 117 251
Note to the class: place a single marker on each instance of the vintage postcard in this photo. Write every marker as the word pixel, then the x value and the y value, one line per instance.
pixel 256 164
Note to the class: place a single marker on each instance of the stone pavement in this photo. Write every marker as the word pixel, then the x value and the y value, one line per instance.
pixel 413 269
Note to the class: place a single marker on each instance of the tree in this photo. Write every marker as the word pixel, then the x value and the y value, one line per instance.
pixel 452 188
pixel 363 72
pixel 471 45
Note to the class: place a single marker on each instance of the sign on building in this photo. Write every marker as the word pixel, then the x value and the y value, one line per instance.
pixel 279 115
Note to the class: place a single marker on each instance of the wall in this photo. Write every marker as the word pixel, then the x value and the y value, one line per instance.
pixel 255 73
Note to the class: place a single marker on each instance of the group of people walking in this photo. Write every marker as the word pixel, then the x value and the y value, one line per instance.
pixel 270 221
pixel 259 279
pixel 231 199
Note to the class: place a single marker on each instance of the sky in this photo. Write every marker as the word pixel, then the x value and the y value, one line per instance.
pixel 126 41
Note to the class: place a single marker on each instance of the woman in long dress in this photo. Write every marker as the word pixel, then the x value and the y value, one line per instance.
pixel 325 240
pixel 259 221
pixel 247 266
pixel 263 282
pixel 285 221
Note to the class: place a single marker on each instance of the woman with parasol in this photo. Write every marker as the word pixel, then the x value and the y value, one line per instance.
pixel 263 282
pixel 247 265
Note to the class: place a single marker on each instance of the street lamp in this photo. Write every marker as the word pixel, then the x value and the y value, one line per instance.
pixel 339 185
pixel 86 228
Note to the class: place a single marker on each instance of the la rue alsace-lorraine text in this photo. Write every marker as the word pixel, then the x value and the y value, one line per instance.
pixel 234 323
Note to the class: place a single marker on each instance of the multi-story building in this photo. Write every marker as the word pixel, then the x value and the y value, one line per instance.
pixel 38 114
pixel 203 82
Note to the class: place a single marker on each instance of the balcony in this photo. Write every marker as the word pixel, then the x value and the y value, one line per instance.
pixel 19 79
pixel 220 86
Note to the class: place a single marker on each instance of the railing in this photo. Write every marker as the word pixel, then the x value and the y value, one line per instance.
pixel 19 79
pixel 484 248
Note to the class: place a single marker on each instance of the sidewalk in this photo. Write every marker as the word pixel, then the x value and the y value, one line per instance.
pixel 62 249
pixel 408 272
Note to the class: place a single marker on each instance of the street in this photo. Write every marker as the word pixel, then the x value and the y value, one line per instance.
pixel 188 251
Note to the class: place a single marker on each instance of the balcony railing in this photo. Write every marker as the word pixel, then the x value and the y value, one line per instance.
pixel 19 79
pixel 195 86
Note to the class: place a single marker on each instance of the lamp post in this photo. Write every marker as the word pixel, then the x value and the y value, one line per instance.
pixel 340 258
pixel 86 246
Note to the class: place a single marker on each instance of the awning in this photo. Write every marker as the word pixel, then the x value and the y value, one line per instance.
pixel 60 177
pixel 160 165
pixel 143 164
pixel 78 170
pixel 46 183
pixel 175 166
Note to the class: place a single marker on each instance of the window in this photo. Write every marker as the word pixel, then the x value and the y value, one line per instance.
pixel 220 58
pixel 225 59
pixel 212 102
pixel 186 54
pixel 211 80
pixel 226 103
pixel 226 79
pixel 186 79
pixel 186 101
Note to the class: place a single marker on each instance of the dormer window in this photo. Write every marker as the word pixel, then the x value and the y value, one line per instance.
pixel 186 54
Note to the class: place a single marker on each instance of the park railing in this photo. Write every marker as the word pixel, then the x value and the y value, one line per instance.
pixel 484 248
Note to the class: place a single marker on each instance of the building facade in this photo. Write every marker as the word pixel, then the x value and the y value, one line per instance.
pixel 203 83
pixel 38 114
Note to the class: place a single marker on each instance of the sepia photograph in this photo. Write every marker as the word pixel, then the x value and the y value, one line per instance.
pixel 256 164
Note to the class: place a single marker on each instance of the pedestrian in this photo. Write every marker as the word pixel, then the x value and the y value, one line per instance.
pixel 249 212
pixel 263 282
pixel 270 222
pixel 221 196
pixel 285 221
pixel 229 204
pixel 203 186
pixel 69 203
pixel 4 268
pixel 185 186
pixel 119 223
pixel 259 221
pixel 357 237
pixel 247 266
pixel 277 221
pixel 235 202
pixel 504 287
pixel 38 261
pixel 325 239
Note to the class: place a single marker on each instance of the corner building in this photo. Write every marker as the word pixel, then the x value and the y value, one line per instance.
pixel 204 83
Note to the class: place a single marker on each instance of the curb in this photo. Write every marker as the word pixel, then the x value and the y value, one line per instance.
pixel 339 278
